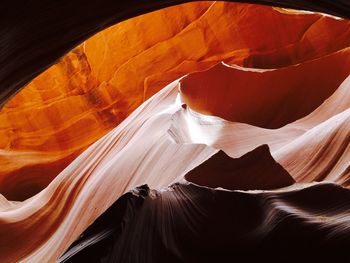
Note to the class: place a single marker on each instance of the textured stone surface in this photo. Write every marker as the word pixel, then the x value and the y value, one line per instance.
pixel 39 34
pixel 158 144
pixel 302 56
pixel 98 84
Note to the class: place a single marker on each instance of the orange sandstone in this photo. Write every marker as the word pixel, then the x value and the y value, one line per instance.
pixel 99 83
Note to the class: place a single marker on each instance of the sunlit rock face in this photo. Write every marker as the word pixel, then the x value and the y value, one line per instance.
pixel 236 117
pixel 99 83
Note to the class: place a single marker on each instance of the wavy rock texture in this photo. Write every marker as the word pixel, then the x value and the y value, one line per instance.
pixel 191 223
pixel 159 143
pixel 98 84
pixel 39 34
pixel 290 92
pixel 255 96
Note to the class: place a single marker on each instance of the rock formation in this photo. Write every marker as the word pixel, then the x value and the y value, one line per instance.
pixel 190 134
pixel 99 83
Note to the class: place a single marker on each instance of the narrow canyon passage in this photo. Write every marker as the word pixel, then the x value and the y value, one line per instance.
pixel 183 135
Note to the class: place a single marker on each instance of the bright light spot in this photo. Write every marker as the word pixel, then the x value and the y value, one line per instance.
pixel 202 128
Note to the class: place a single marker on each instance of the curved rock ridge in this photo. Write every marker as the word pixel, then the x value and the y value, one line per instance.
pixel 99 83
pixel 191 223
pixel 265 98
pixel 136 151
pixel 159 144
pixel 315 147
